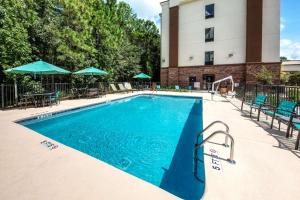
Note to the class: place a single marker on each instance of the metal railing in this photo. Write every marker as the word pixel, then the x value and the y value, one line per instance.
pixel 201 144
pixel 209 126
pixel 275 93
pixel 10 93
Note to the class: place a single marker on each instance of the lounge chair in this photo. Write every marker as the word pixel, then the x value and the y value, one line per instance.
pixel 283 113
pixel 122 88
pixel 257 104
pixel 92 92
pixel 114 88
pixel 128 87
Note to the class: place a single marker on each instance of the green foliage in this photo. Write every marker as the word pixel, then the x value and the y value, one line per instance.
pixel 32 86
pixel 284 77
pixel 283 59
pixel 75 34
pixel 265 76
pixel 294 78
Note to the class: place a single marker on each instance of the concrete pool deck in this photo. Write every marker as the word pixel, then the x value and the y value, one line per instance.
pixel 266 166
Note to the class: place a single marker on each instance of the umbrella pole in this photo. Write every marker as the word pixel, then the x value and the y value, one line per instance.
pixel 52 82
pixel 16 91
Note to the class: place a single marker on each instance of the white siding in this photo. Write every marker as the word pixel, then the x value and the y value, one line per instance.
pixel 230 32
pixel 165 35
pixel 174 3
pixel 271 31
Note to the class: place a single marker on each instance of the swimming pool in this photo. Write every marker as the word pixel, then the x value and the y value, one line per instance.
pixel 149 136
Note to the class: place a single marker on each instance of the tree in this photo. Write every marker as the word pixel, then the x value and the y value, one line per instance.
pixel 294 78
pixel 75 34
pixel 283 59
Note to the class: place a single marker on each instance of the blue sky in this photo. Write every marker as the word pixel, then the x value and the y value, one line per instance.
pixel 290 22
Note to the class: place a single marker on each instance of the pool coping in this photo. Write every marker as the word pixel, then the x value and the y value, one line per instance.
pixel 94 105
pixel 249 179
pixel 46 114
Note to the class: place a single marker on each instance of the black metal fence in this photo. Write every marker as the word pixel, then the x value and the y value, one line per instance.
pixel 275 93
pixel 10 93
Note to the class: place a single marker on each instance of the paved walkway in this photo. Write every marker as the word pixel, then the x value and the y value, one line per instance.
pixel 266 166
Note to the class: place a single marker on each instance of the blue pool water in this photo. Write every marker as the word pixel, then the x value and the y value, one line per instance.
pixel 150 137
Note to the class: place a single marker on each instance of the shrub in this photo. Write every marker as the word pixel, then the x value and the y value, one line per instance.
pixel 31 85
pixel 294 78
pixel 265 76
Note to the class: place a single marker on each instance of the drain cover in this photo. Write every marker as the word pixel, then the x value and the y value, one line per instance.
pixel 125 163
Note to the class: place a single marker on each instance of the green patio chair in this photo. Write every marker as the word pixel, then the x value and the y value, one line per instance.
pixel 55 98
pixel 177 88
pixel 283 113
pixel 257 104
pixel 158 87
pixel 296 126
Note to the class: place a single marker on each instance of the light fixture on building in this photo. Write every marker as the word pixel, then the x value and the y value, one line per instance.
pixel 230 55
pixel 163 60
pixel 191 57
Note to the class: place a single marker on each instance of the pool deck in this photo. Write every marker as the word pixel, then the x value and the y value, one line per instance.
pixel 266 165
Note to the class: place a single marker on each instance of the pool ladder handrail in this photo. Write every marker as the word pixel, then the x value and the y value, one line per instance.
pixel 227 135
pixel 209 126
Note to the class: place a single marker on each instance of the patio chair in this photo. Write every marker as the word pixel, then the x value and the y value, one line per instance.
pixel 114 89
pixel 158 87
pixel 257 104
pixel 177 88
pixel 122 88
pixel 296 125
pixel 55 98
pixel 92 92
pixel 74 93
pixel 128 87
pixel 26 99
pixel 283 113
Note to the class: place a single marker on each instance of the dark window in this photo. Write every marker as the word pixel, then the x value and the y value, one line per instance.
pixel 209 11
pixel 209 58
pixel 209 34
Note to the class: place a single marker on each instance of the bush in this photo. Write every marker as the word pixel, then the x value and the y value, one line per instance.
pixel 294 78
pixel 31 85
pixel 265 76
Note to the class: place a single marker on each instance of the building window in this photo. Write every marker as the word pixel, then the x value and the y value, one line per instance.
pixel 209 34
pixel 209 11
pixel 209 58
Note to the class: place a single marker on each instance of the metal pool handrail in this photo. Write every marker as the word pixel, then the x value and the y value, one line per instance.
pixel 209 126
pixel 230 159
pixel 227 135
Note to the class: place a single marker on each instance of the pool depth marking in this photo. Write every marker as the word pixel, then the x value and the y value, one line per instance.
pixel 49 145
pixel 215 160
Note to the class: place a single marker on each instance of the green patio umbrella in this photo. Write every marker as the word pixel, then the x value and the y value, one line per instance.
pixel 38 67
pixel 142 76
pixel 91 71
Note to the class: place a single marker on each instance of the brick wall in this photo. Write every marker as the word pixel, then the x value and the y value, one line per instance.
pixel 241 73
pixel 254 68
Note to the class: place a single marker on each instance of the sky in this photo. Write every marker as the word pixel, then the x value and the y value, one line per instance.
pixel 290 22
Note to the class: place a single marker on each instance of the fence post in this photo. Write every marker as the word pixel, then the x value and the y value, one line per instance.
pixel 277 95
pixel 256 90
pixel 2 95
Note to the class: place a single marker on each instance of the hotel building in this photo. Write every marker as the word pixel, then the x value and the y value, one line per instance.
pixel 207 40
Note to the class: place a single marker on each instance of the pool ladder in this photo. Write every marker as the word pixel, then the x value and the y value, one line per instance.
pixel 227 136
